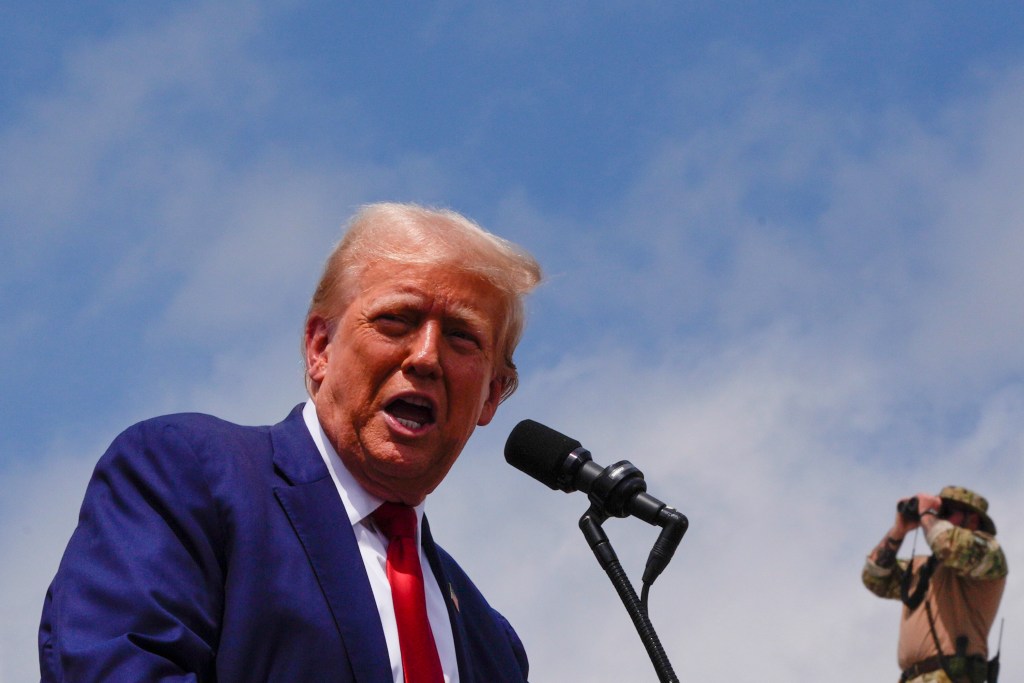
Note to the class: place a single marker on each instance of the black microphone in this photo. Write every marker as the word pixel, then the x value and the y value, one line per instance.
pixel 562 463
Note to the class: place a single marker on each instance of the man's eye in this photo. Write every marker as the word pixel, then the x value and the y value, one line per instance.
pixel 390 323
pixel 464 336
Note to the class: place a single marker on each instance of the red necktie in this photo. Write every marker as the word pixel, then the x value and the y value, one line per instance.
pixel 419 653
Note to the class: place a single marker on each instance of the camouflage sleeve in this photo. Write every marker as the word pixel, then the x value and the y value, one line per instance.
pixel 973 554
pixel 883 581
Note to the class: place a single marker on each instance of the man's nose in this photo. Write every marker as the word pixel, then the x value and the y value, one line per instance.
pixel 424 358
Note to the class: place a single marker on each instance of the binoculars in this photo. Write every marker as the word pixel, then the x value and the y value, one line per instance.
pixel 910 512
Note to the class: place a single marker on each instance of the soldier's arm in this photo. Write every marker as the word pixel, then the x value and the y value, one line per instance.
pixel 973 554
pixel 882 571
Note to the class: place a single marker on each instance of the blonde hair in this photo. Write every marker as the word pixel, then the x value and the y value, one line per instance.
pixel 417 235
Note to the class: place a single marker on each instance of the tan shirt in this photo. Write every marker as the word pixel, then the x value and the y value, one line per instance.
pixel 960 606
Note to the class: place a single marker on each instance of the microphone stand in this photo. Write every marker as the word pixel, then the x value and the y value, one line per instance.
pixel 614 493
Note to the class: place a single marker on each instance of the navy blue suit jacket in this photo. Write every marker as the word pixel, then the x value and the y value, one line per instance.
pixel 206 551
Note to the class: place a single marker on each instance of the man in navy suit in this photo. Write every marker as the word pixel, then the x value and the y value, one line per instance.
pixel 208 551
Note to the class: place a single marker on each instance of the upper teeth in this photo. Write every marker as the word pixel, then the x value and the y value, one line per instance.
pixel 416 401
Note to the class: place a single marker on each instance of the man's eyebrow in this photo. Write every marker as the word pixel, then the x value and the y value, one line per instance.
pixel 463 312
pixel 398 297
pixel 468 314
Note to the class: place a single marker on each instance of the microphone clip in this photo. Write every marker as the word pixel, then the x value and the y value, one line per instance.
pixel 615 489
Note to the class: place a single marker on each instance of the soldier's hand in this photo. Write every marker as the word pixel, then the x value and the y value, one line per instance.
pixel 927 501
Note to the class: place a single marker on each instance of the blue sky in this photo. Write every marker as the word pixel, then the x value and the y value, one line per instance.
pixel 783 253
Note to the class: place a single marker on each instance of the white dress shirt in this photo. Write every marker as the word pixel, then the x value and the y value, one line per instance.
pixel 373 549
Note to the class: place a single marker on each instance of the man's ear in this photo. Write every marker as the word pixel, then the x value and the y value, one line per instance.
pixel 491 401
pixel 318 339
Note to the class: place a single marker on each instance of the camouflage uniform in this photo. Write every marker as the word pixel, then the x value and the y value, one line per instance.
pixel 971 554
pixel 933 677
pixel 964 593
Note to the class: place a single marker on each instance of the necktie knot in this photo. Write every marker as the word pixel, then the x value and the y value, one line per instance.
pixel 396 520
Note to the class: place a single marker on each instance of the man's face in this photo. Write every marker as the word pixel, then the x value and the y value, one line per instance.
pixel 962 517
pixel 406 374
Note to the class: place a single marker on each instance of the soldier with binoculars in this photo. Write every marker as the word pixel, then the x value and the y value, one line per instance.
pixel 959 585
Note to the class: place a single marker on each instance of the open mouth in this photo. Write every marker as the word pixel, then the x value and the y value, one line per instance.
pixel 413 412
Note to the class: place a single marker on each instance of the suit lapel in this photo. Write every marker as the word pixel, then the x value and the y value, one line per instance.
pixel 454 613
pixel 318 517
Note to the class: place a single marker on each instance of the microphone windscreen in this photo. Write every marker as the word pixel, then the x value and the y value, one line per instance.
pixel 539 451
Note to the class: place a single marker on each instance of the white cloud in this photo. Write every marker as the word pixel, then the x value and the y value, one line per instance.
pixel 38 509
pixel 118 101
pixel 974 306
